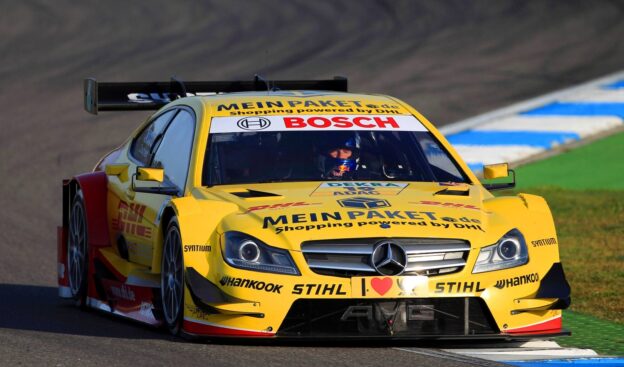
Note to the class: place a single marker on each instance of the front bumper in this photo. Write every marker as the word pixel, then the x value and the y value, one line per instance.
pixel 413 319
pixel 353 308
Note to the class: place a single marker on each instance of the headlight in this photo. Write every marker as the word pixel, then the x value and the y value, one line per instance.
pixel 246 252
pixel 510 251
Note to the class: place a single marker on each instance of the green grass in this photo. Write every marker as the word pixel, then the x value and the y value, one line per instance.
pixel 589 332
pixel 599 166
pixel 590 227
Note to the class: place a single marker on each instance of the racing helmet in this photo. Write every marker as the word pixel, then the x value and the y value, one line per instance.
pixel 335 164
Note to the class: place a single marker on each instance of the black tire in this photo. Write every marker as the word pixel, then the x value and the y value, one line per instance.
pixel 172 278
pixel 77 250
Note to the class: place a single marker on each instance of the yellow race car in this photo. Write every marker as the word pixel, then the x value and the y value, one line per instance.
pixel 295 209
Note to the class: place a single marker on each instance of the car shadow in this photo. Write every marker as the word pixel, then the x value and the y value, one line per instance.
pixel 367 343
pixel 38 308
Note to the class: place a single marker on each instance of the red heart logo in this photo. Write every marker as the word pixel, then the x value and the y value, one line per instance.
pixel 381 285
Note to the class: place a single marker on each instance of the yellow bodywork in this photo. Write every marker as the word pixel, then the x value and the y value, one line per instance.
pixel 206 213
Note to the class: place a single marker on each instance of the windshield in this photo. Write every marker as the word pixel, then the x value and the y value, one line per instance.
pixel 305 154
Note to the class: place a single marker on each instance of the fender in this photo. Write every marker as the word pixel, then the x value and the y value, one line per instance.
pixel 527 208
pixel 534 202
pixel 94 188
pixel 199 222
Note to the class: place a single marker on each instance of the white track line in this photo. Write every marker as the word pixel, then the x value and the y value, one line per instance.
pixel 495 153
pixel 525 353
pixel 584 126
pixel 596 95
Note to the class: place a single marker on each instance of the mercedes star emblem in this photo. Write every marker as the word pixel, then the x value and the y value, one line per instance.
pixel 389 258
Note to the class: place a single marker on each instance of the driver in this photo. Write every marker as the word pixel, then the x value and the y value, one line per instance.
pixel 341 160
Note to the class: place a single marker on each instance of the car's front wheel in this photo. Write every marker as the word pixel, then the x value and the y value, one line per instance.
pixel 172 278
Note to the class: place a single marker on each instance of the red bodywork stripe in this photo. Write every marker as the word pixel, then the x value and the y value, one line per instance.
pixel 210 330
pixel 543 327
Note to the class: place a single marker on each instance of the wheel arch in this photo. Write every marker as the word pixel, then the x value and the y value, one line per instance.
pixel 171 299
pixel 94 187
pixel 167 214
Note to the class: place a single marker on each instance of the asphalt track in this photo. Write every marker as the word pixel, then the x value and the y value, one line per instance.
pixel 450 59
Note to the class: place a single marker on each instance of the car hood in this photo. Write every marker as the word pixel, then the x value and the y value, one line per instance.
pixel 286 214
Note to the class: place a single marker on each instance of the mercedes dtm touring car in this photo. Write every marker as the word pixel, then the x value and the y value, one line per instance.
pixel 295 209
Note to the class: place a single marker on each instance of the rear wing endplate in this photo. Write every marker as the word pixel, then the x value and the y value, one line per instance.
pixel 134 96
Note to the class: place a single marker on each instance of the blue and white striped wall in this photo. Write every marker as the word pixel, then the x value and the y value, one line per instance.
pixel 528 128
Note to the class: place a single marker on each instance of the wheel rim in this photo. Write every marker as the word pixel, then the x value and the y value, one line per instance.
pixel 76 249
pixel 171 279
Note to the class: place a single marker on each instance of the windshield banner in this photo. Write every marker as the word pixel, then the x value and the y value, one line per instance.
pixel 315 123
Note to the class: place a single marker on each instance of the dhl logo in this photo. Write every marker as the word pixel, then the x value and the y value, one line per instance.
pixel 129 220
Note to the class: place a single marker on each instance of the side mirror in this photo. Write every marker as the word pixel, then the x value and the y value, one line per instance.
pixel 153 175
pixel 492 171
pixel 499 170
pixel 150 174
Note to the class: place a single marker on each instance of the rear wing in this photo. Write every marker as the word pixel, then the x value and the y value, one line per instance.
pixel 134 96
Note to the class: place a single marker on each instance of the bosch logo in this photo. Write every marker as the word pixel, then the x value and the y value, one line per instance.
pixel 364 203
pixel 253 123
pixel 389 258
